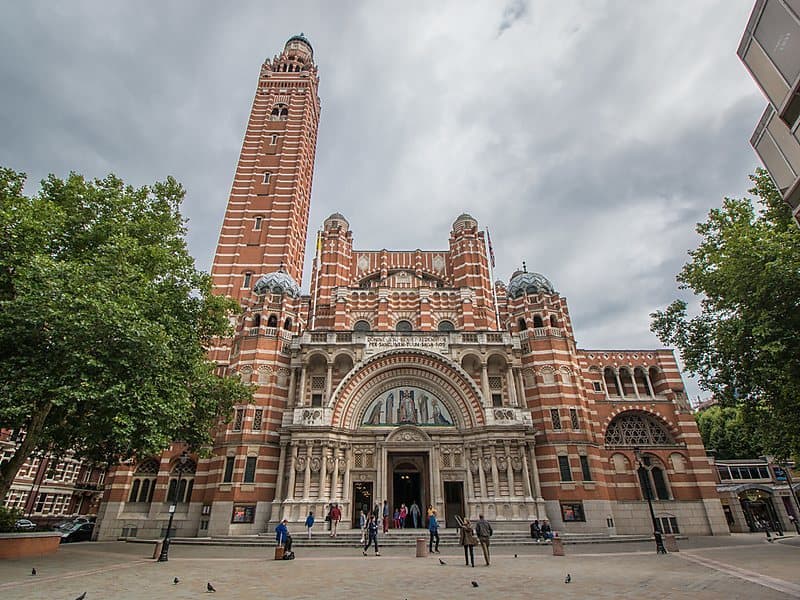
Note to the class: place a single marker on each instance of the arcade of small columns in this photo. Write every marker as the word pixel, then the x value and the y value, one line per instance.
pixel 637 378
pixel 495 472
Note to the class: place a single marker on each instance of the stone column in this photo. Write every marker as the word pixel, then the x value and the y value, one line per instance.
pixel 323 472
pixel 470 487
pixel 509 471
pixel 346 491
pixel 525 472
pixel 292 473
pixel 329 383
pixel 619 384
pixel 512 392
pixel 307 475
pixel 281 468
pixel 487 396
pixel 649 384
pixel 291 400
pixel 301 398
pixel 537 487
pixel 495 473
pixel 335 482
pixel 482 475
pixel 436 488
pixel 632 375
pixel 605 387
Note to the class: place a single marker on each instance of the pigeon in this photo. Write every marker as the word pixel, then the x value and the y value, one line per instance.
pixel 568 578
pixel 209 587
pixel 176 581
pixel 515 556
pixel 441 562
pixel 81 597
pixel 33 571
pixel 474 584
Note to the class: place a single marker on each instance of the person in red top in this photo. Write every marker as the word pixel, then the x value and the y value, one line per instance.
pixel 336 516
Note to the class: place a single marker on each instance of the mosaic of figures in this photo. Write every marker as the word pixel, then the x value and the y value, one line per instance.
pixel 406 405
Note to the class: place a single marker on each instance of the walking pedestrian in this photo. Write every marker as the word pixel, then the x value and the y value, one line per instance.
pixel 403 516
pixel 415 514
pixel 385 515
pixel 362 525
pixel 536 530
pixel 484 531
pixel 433 528
pixel 428 515
pixel 466 537
pixel 372 532
pixel 309 523
pixel 336 516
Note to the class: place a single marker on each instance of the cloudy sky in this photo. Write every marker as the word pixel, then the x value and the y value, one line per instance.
pixel 588 136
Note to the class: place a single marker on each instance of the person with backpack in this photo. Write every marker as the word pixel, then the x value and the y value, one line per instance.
pixel 484 531
pixel 372 533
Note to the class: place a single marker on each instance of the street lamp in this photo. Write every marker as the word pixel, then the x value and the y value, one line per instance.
pixel 164 556
pixel 644 483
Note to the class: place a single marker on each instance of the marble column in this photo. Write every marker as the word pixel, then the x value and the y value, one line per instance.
pixel 632 375
pixel 346 491
pixel 329 383
pixel 482 475
pixel 292 473
pixel 307 475
pixel 512 392
pixel 291 400
pixel 620 389
pixel 649 384
pixel 281 470
pixel 335 481
pixel 487 396
pixel 301 396
pixel 495 472
pixel 509 471
pixel 525 472
pixel 323 473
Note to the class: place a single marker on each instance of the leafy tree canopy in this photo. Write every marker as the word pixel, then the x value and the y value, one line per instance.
pixel 744 345
pixel 104 322
pixel 727 431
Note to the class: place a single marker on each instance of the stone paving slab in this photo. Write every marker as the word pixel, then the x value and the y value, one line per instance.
pixel 123 571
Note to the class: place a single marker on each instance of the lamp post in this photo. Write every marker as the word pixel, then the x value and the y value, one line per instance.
pixel 164 556
pixel 641 472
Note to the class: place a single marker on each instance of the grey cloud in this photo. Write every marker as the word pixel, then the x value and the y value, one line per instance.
pixel 585 137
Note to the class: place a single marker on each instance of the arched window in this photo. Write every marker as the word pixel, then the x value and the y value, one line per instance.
pixel 287 324
pixel 537 321
pixel 553 321
pixel 446 325
pixel 186 470
pixel 522 325
pixel 144 481
pixel 284 114
pixel 257 320
pixel 632 428
pixel 404 326
pixel 652 480
pixel 272 321
pixel 361 325
pixel 610 379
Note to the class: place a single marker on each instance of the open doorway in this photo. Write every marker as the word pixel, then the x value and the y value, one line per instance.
pixel 408 483
pixel 453 502
pixel 362 500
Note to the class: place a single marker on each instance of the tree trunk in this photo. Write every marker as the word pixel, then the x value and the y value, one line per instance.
pixel 9 470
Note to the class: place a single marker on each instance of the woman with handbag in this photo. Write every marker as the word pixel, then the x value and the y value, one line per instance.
pixel 466 537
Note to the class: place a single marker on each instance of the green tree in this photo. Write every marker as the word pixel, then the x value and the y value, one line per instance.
pixel 104 322
pixel 744 345
pixel 726 430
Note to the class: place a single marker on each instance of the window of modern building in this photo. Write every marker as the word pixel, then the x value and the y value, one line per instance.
pixel 257 224
pixel 228 475
pixel 250 469
pixel 585 471
pixel 361 326
pixel 564 468
pixel 446 325
pixel 404 326
pixel 40 503
pixel 555 418
pixel 572 511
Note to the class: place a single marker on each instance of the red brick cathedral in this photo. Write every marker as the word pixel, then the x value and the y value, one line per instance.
pixel 408 376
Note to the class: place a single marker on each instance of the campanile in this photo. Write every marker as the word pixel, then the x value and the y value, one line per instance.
pixel 265 224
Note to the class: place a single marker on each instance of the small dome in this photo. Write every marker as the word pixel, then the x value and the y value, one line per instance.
pixel 463 221
pixel 335 221
pixel 278 282
pixel 301 38
pixel 529 283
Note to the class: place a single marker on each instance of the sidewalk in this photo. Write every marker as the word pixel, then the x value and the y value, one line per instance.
pixel 734 566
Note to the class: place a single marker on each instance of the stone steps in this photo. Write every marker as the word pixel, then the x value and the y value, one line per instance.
pixel 351 539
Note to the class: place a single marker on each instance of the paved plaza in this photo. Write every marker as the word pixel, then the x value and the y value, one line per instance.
pixel 740 566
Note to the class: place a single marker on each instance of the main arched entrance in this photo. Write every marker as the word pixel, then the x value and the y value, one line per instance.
pixel 409 482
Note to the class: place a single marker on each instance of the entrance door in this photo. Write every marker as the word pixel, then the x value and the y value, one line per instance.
pixel 406 489
pixel 453 502
pixel 362 500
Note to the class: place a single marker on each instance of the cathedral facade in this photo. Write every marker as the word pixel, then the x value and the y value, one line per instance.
pixel 408 376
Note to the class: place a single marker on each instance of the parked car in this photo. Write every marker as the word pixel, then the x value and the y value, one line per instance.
pixel 66 526
pixel 25 524
pixel 80 532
